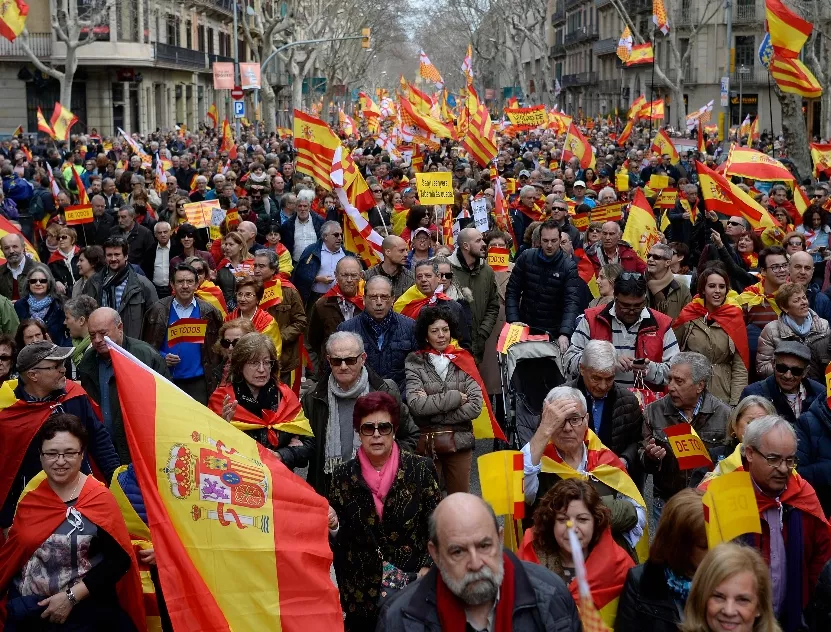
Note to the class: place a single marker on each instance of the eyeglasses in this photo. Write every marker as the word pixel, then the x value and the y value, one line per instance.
pixel 378 297
pixel 446 275
pixel 778 267
pixel 782 368
pixel 62 237
pixel 37 282
pixel 69 455
pixel 560 209
pixel 5 358
pixel 227 344
pixel 575 421
pixel 775 461
pixel 377 191
pixel 658 257
pixel 384 429
pixel 740 224
pixel 261 364
pixel 335 362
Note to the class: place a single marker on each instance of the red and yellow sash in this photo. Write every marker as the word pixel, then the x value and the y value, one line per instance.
pixel 411 302
pixel 357 300
pixel 729 318
pixel 264 323
pixel 755 295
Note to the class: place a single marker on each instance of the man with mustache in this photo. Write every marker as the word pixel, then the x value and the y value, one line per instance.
pixel 477 585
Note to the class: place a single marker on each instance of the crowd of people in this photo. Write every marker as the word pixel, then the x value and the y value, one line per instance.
pixel 716 325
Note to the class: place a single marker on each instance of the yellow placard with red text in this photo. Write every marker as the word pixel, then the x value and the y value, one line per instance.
pixel 687 447
pixel 187 330
pixel 658 181
pixel 607 213
pixel 272 294
pixel 667 198
pixel 622 181
pixel 527 118
pixel 580 221
pixel 80 214
pixel 498 259
pixel 231 216
pixel 435 188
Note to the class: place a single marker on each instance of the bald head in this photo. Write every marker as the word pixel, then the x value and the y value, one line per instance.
pixel 248 230
pixel 105 322
pixel 461 508
pixel 801 268
pixel 395 252
pixel 472 245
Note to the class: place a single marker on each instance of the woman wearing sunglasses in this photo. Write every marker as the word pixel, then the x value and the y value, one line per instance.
pixel 64 261
pixel 380 504
pixel 230 332
pixel 257 403
pixel 39 299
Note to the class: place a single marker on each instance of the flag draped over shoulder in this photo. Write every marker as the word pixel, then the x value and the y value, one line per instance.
pixel 641 229
pixel 729 317
pixel 411 302
pixel 210 293
pixel 225 516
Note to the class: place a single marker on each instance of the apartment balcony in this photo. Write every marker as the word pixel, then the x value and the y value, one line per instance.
pixel 579 79
pixel 573 4
pixel 687 17
pixel 585 33
pixel 165 54
pixel 213 57
pixel 602 4
pixel 606 46
pixel 690 78
pixel 39 43
pixel 559 15
pixel 751 13
pixel 639 6
pixel 752 76
pixel 558 50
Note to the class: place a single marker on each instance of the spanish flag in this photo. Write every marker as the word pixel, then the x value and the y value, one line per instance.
pixel 83 198
pixel 368 106
pixel 653 109
pixel 585 270
pixel 635 108
pixel 750 163
pixel 788 31
pixel 228 140
pixel 626 133
pixel 6 228
pixel 241 542
pixel 289 416
pixel 62 121
pixel 210 293
pixel 264 323
pixel 272 294
pixel 576 144
pixel 641 54
pixel 213 115
pixel 13 18
pixel 662 144
pixel 821 155
pixel 420 101
pixel 722 196
pixel 641 228
pixel 411 302
pixel 18 131
pixel 43 126
pixel 316 144
pixel 792 76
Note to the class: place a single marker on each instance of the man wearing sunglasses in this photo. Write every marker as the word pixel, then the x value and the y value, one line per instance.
pixel 789 389
pixel 664 293
pixel 329 406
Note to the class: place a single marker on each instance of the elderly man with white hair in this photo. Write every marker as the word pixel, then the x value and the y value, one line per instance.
pixel 606 195
pixel 527 210
pixel 564 447
pixel 614 412
pixel 303 228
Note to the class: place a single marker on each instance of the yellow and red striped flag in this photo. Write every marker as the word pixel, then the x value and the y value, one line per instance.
pixel 746 162
pixel 62 121
pixel 213 115
pixel 626 133
pixel 662 144
pixel 43 125
pixel 792 76
pixel 368 106
pixel 210 293
pixel 641 54
pixel 428 71
pixel 788 31
pixel 447 228
pixel 480 139
pixel 358 235
pixel 700 144
pixel 316 145
pixel 653 109
pixel 13 14
pixel 225 516
pixel 722 196
pixel 659 16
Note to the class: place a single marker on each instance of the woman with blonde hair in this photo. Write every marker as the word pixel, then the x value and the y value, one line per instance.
pixel 731 591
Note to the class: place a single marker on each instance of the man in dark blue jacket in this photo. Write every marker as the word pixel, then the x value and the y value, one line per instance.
pixel 314 272
pixel 813 433
pixel 788 389
pixel 388 337
pixel 41 392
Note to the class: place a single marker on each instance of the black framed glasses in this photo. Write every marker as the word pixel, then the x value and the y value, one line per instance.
pixel 69 455
pixel 38 281
pixel 335 362
pixel 658 257
pixel 796 371
pixel 384 429
pixel 775 461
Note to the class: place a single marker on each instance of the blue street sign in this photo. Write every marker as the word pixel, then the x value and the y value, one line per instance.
pixel 239 109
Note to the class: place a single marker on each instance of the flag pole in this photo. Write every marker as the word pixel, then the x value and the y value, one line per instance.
pixel 770 106
pixel 652 83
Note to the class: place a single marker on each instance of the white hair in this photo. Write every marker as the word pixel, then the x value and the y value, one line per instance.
pixel 599 355
pixel 700 367
pixel 566 392
pixel 528 189
pixel 344 336
pixel 306 195
pixel 605 192
pixel 763 425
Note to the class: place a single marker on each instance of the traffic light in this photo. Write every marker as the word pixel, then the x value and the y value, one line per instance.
pixel 365 37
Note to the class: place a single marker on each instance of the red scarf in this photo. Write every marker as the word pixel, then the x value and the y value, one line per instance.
pixel 451 610
pixel 729 317
pixel 606 567
pixel 357 300
pixel 57 257
pixel 41 511
pixel 21 422
pixel 259 321
pixel 536 214
pixel 413 308
pixel 288 408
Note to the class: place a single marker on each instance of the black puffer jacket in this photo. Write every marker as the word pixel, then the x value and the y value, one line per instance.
pixel 622 422
pixel 646 603
pixel 544 294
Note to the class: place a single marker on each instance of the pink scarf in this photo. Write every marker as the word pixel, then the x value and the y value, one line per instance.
pixel 379 483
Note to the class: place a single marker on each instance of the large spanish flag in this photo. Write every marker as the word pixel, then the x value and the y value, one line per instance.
pixel 641 54
pixel 722 196
pixel 641 228
pixel 62 121
pixel 750 163
pixel 13 18
pixel 791 75
pixel 788 31
pixel 316 145
pixel 241 542
pixel 575 144
pixel 821 155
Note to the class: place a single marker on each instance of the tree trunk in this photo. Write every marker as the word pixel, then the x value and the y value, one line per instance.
pixel 269 106
pixel 795 133
pixel 679 109
pixel 69 76
pixel 297 90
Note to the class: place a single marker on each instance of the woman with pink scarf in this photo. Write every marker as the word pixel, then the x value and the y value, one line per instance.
pixel 380 504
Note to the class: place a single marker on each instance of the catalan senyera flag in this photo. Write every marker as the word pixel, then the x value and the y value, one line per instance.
pixel 788 31
pixel 368 106
pixel 13 14
pixel 662 144
pixel 213 115
pixel 428 71
pixel 575 144
pixel 641 228
pixel 240 540
pixel 641 54
pixel 61 122
pixel 636 107
pixel 480 139
pixel 624 45
pixel 722 196
pixel 659 16
pixel 792 76
pixel 43 125
pixel 316 145
pixel 821 156
pixel 228 140
pixel 746 162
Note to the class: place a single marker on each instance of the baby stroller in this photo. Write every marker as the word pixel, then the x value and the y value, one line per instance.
pixel 528 370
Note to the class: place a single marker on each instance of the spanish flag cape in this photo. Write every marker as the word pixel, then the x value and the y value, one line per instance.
pixel 21 421
pixel 729 317
pixel 289 416
pixel 262 322
pixel 725 466
pixel 285 264
pixel 40 511
pixel 755 295
pixel 357 300
pixel 606 568
pixel 139 534
pixel 604 466
pixel 411 302
pixel 210 293
pixel 484 426
pixel 536 214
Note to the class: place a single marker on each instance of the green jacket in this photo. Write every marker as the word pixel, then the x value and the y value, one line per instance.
pixel 481 281
pixel 8 317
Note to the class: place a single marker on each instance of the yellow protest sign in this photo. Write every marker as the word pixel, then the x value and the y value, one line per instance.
pixel 730 508
pixel 622 181
pixel 527 118
pixel 501 476
pixel 435 188
pixel 687 447
pixel 658 181
pixel 509 336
